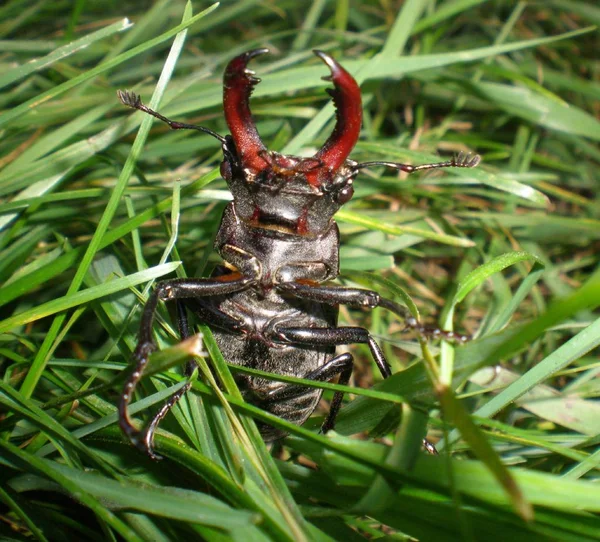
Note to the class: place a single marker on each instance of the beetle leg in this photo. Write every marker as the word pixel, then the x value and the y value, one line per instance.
pixel 147 435
pixel 341 365
pixel 357 297
pixel 207 313
pixel 178 290
pixel 336 402
pixel 203 313
pixel 334 337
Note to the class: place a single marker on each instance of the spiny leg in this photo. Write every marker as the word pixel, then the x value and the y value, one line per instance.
pixel 357 297
pixel 316 336
pixel 203 313
pixel 177 289
pixel 341 365
pixel 147 435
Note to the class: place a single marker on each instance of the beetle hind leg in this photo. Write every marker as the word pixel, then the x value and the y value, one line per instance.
pixel 358 297
pixel 341 365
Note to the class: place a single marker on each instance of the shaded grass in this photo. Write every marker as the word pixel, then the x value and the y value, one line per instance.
pixel 507 252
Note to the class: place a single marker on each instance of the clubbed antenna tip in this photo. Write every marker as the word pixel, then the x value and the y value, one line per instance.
pixel 466 160
pixel 128 98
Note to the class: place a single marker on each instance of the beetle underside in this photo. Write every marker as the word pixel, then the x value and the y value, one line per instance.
pixel 269 305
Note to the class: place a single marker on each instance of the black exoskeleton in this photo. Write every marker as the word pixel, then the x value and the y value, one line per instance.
pixel 267 305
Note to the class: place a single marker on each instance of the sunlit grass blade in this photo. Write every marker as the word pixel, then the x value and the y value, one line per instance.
pixel 15 74
pixel 72 300
pixel 57 91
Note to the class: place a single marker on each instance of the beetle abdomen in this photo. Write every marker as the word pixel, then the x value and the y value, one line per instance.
pixel 258 348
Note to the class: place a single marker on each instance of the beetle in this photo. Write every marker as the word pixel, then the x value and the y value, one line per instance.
pixel 269 304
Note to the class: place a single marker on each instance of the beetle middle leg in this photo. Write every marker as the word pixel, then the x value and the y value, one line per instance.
pixel 334 337
pixel 331 336
pixel 358 297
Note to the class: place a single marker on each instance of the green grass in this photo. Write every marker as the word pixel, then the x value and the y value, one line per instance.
pixel 97 202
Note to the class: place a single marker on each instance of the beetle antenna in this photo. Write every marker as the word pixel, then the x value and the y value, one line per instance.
pixel 462 160
pixel 130 99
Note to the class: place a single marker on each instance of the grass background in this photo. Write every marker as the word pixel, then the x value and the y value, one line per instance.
pixel 95 206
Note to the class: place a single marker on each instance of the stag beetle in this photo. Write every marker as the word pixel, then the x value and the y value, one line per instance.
pixel 267 305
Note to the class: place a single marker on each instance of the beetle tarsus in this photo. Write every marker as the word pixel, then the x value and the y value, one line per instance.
pixel 430 332
pixel 430 447
pixel 146 442
pixel 141 354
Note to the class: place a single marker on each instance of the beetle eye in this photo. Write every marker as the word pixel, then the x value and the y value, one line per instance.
pixel 345 194
pixel 225 170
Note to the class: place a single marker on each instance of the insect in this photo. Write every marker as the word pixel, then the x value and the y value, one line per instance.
pixel 269 304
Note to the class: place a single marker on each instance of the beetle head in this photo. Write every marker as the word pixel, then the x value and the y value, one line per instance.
pixel 294 195
pixel 288 193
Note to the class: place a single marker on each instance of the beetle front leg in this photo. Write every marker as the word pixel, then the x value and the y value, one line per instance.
pixel 179 290
pixel 357 297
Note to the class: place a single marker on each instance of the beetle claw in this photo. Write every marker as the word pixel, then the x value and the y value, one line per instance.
pixel 348 104
pixel 146 445
pixel 238 83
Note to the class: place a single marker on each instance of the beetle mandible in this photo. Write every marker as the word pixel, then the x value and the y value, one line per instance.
pixel 268 306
